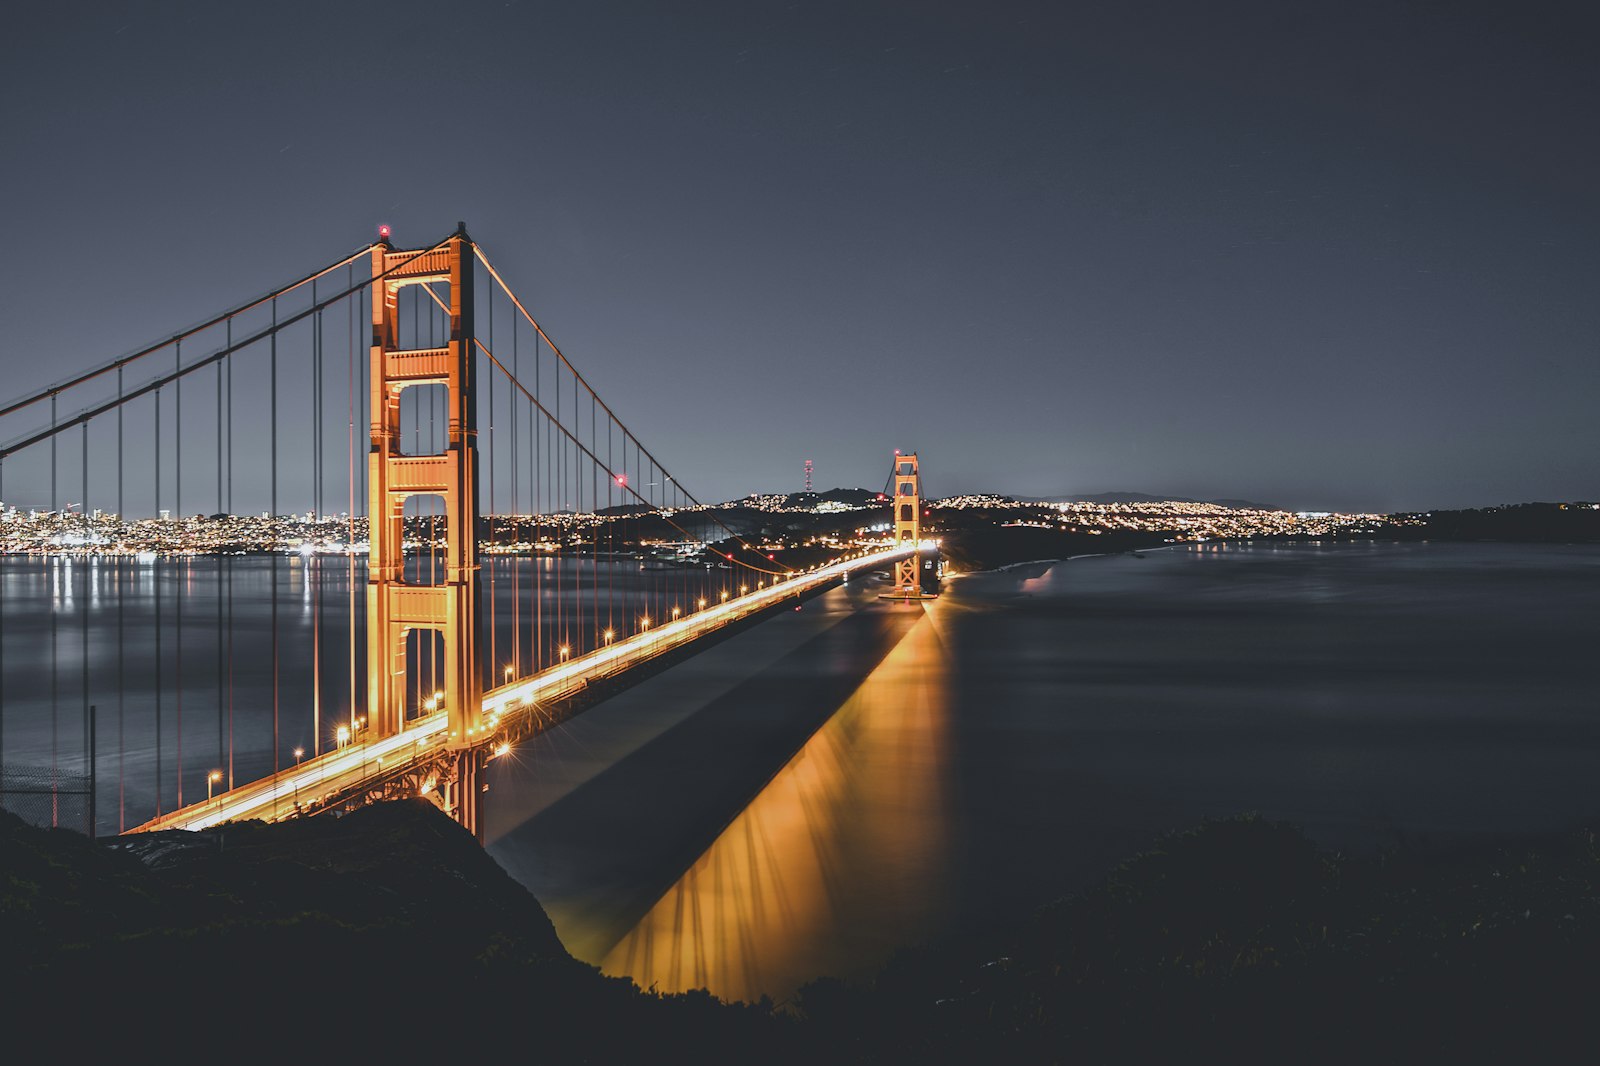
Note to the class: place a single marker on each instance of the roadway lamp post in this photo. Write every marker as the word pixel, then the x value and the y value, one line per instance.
pixel 211 779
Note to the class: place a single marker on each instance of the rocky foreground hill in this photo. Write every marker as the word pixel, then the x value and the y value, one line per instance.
pixel 391 932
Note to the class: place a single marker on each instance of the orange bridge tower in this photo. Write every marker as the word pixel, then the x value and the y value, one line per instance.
pixel 396 607
pixel 910 582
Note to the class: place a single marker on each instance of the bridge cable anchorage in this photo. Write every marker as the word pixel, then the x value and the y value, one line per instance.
pixel 126 360
pixel 151 386
pixel 644 452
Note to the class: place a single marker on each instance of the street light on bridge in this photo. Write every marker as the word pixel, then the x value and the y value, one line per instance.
pixel 565 651
pixel 342 735
pixel 211 779
pixel 610 635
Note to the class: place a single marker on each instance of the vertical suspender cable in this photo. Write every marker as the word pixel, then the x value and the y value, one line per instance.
pixel 533 504
pixel 232 525
pixel 155 573
pixel 494 660
pixel 594 540
pixel 435 447
pixel 55 651
pixel 350 514
pixel 122 688
pixel 83 612
pixel 516 540
pixel 273 543
pixel 222 752
pixel 180 587
pixel 558 487
pixel 316 508
pixel 538 480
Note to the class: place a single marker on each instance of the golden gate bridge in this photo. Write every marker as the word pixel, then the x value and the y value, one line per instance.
pixel 471 444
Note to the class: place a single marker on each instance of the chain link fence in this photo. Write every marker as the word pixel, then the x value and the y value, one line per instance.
pixel 45 797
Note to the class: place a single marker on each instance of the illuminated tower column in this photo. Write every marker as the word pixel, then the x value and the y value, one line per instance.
pixel 907 523
pixel 395 607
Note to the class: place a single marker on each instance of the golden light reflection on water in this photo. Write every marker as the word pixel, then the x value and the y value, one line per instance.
pixel 863 805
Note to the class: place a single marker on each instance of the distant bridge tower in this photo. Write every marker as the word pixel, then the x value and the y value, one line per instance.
pixel 394 607
pixel 907 503
pixel 808 475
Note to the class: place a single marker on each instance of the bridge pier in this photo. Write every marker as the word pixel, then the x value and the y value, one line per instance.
pixel 464 797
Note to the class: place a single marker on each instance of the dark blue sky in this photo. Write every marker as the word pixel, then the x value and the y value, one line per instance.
pixel 1320 255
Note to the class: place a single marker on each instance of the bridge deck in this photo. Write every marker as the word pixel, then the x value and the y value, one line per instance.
pixel 505 709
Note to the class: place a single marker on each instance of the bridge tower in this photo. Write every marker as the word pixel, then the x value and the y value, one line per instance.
pixel 394 606
pixel 907 505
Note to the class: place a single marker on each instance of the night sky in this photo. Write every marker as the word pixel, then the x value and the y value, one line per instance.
pixel 1317 255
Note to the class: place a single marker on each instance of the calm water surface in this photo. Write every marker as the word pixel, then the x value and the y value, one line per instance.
pixel 860 775
pixel 231 663
pixel 806 796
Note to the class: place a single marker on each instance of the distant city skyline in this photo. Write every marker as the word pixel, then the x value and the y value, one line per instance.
pixel 1325 258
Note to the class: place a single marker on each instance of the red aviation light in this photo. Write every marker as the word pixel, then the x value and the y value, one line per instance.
pixel 622 479
pixel 383 232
